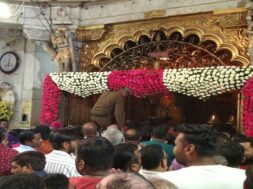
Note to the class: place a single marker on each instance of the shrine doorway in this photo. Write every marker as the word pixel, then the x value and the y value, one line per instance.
pixel 198 40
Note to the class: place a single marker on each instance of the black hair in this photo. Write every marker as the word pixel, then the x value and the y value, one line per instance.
pixel 15 132
pixel 21 181
pixel 2 134
pixel 96 152
pixel 233 152
pixel 151 156
pixel 160 132
pixel 26 135
pixel 35 159
pixel 124 156
pixel 201 136
pixel 128 181
pixel 56 181
pixel 58 137
pixel 43 130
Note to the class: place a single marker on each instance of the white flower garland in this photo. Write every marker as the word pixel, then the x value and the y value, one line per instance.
pixel 81 83
pixel 206 82
pixel 197 82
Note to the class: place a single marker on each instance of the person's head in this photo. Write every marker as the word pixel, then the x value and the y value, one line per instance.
pixel 127 157
pixel 43 130
pixel 233 152
pixel 13 137
pixel 3 139
pixel 30 138
pixel 56 181
pixel 159 132
pixel 28 162
pixel 22 181
pixel 89 129
pixel 248 148
pixel 161 183
pixel 94 154
pixel 113 134
pixel 194 142
pixel 63 139
pixel 124 91
pixel 132 136
pixel 154 158
pixel 221 138
pixel 124 181
pixel 247 144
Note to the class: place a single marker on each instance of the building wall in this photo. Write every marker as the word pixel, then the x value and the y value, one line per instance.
pixel 120 11
pixel 27 80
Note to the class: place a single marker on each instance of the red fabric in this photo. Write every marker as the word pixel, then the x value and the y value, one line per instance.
pixel 6 155
pixel 85 182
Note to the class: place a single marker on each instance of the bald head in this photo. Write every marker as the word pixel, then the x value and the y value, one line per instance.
pixel 132 136
pixel 89 130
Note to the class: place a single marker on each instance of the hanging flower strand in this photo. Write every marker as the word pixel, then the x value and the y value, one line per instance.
pixel 50 101
pixel 247 110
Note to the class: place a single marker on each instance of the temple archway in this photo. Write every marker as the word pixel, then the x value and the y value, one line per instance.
pixel 206 34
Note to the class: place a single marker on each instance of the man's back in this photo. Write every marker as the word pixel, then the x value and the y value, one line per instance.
pixel 109 108
pixel 106 102
pixel 206 177
pixel 60 162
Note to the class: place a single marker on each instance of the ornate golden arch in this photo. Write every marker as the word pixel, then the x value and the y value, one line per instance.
pixel 226 31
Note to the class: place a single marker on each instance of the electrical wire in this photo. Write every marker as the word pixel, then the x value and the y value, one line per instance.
pixel 42 13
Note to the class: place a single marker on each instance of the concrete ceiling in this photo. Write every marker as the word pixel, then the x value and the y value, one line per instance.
pixel 61 1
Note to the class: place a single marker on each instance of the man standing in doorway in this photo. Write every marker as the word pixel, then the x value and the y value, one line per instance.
pixel 110 108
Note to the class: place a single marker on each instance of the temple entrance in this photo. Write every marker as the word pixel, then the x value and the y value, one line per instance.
pixel 198 40
pixel 218 111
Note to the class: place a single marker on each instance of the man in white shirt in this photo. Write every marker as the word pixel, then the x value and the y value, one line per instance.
pixel 60 160
pixel 29 141
pixel 195 148
pixel 153 161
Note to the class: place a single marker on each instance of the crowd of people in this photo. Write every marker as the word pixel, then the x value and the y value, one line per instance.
pixel 141 156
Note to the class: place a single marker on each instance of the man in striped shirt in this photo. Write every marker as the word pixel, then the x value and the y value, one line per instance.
pixel 60 160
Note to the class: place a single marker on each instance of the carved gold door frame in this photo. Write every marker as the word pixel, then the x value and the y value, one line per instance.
pixel 227 31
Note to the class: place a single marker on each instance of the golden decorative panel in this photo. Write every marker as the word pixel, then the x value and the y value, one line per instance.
pixel 228 31
pixel 154 13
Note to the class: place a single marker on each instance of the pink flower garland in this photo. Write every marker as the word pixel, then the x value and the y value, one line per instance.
pixel 247 110
pixel 140 82
pixel 50 101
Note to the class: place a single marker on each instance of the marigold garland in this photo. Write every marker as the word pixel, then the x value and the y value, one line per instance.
pixel 5 111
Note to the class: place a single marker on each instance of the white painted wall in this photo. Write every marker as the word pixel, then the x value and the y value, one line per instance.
pixel 122 11
pixel 27 80
pixel 16 78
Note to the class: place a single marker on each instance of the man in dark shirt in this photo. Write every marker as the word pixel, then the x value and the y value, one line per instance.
pixel 110 108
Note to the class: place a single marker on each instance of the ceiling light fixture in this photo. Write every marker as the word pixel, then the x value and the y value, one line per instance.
pixel 5 11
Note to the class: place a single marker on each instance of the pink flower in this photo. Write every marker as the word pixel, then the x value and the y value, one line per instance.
pixel 247 112
pixel 50 101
